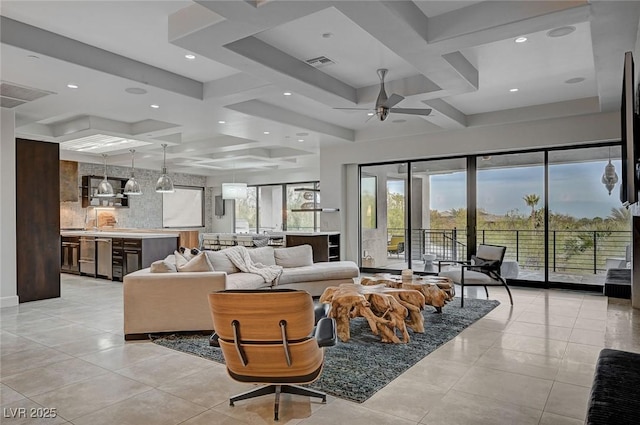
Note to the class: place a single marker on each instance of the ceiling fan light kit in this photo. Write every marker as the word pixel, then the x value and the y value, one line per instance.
pixel 385 105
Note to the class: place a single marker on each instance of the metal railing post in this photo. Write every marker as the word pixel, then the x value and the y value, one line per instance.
pixel 595 252
pixel 554 250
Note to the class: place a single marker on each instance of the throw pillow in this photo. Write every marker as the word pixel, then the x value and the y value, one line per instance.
pixel 295 256
pixel 221 262
pixel 188 252
pixel 199 263
pixel 163 266
pixel 263 256
pixel 486 265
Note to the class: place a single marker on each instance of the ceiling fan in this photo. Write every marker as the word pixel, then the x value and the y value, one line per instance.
pixel 385 105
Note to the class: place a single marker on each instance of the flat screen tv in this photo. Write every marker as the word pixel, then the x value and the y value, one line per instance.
pixel 628 187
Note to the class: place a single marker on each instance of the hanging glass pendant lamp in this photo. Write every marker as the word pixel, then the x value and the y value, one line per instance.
pixel 609 178
pixel 132 187
pixel 104 187
pixel 164 184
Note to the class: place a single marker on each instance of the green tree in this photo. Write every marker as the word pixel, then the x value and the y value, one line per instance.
pixel 532 200
pixel 395 211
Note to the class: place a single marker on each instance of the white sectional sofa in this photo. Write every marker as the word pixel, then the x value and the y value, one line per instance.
pixel 173 301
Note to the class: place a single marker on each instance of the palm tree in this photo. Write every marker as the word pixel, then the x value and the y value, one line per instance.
pixel 531 201
pixel 621 214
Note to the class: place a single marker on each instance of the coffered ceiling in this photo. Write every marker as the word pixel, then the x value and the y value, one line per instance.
pixel 249 101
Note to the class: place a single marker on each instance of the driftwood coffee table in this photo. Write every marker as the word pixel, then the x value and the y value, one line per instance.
pixel 437 290
pixel 388 303
pixel 386 309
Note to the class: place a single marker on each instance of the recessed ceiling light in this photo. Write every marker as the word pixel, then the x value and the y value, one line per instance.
pixel 221 122
pixel 190 57
pixel 135 90
pixel 513 90
pixel 520 39
pixel 72 86
pixel 561 32
pixel 575 80
pixel 300 140
pixel 265 132
pixel 154 106
pixel 287 93
pixel 370 114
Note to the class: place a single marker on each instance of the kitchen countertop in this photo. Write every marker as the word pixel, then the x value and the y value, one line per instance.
pixel 116 234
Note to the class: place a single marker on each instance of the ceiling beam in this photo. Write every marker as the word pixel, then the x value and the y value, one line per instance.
pixel 35 39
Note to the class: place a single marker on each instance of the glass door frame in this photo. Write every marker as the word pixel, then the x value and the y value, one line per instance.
pixel 472 204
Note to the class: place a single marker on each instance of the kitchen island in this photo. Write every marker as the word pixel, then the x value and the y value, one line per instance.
pixel 111 254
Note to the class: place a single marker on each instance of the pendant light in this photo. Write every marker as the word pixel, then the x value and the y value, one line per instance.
pixel 234 190
pixel 132 187
pixel 105 189
pixel 609 178
pixel 164 184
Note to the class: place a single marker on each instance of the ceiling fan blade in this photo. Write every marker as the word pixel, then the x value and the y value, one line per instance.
pixel 393 100
pixel 410 111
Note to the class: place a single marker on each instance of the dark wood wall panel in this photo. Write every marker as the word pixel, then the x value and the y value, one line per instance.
pixel 37 219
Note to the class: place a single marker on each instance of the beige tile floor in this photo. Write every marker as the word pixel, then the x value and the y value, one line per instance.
pixel 530 364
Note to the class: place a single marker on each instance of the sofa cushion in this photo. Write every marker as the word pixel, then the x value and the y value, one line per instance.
pixel 221 262
pixel 199 263
pixel 295 256
pixel 319 271
pixel 264 255
pixel 245 281
pixel 163 266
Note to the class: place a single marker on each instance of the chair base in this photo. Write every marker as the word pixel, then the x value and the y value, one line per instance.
pixel 277 389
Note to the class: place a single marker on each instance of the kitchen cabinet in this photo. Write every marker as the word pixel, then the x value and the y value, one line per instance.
pixel 131 254
pixel 112 255
pixel 325 245
pixel 90 185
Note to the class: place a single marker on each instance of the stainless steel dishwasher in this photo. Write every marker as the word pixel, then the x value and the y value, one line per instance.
pixel 104 254
pixel 88 255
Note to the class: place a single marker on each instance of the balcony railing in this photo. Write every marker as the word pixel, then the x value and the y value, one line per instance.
pixel 570 251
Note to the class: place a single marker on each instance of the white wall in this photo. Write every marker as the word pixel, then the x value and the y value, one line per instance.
pixel 335 160
pixel 8 278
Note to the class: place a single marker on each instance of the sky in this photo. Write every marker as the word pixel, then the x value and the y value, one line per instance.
pixel 574 189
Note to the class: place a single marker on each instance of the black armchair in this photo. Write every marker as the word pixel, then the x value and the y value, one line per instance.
pixel 482 270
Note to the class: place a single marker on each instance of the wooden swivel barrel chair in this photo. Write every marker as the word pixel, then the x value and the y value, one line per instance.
pixel 267 337
pixel 482 270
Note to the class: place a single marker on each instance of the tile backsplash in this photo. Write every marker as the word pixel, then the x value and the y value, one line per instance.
pixel 145 211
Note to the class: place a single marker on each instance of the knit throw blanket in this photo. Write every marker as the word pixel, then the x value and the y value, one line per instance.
pixel 239 256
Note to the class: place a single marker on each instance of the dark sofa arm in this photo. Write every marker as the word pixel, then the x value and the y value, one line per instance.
pixel 326 332
pixel 615 393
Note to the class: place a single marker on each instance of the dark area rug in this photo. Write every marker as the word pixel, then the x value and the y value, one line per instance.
pixel 357 369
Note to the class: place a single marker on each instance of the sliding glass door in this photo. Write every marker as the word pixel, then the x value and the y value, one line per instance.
pixel 383 218
pixel 556 211
pixel 510 211
pixel 589 230
pixel 438 225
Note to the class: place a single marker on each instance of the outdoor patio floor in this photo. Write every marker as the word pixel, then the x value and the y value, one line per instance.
pixel 394 263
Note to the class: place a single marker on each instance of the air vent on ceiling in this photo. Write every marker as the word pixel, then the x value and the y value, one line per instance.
pixel 12 95
pixel 319 62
